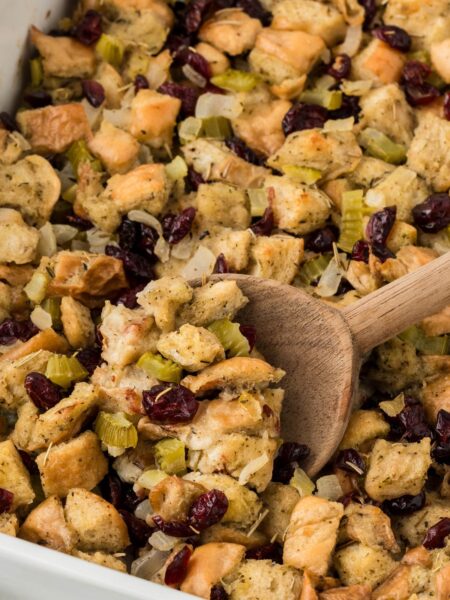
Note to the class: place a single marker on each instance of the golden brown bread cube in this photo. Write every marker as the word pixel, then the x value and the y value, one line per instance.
pixel 359 564
pixel 222 204
pixel 78 463
pixel 404 582
pixel 276 257
pixel 435 396
pixel 379 63
pixel 153 117
pixel 369 525
pixel 363 426
pixel 46 526
pixel 9 524
pixel 263 579
pixel 63 56
pixel 231 30
pixel 172 497
pixel 280 499
pixel 77 323
pixel 352 592
pixel 14 476
pixel 163 298
pixel 193 348
pixel 18 241
pixel 103 559
pixel 117 149
pixel 437 324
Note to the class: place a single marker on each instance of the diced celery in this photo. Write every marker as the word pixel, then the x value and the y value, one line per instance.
pixel 216 127
pixel 161 368
pixel 380 146
pixel 111 49
pixel 79 153
pixel 302 483
pixel 65 370
pixel 258 201
pixel 313 269
pixel 177 169
pixel 114 429
pixel 53 307
pixel 236 81
pixel 420 55
pixel 170 455
pixel 436 80
pixel 138 63
pixel 438 345
pixel 352 219
pixel 190 129
pixel 302 174
pixel 231 338
pixel 151 477
pixel 36 71
pixel 325 82
pixel 69 195
pixel 330 99
pixel 36 288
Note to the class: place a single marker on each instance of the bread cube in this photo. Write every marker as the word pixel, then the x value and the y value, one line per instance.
pixel 231 30
pixel 46 526
pixel 276 257
pixel 368 525
pixel 222 204
pixel 261 579
pixel 260 126
pixel 379 63
pixel 14 476
pixel 117 149
pixel 359 564
pixel 163 298
pixel 364 425
pixel 435 396
pixel 103 559
pixel 234 245
pixel 191 347
pixel 281 500
pixel 153 117
pixel 77 323
pixel 18 241
pixel 9 524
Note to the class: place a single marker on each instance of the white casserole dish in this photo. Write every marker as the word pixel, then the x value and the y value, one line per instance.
pixel 28 571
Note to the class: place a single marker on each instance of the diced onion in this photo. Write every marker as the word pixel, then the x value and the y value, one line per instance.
pixel 330 280
pixel 143 510
pixel 193 76
pixel 141 216
pixel 151 477
pixel 119 117
pixel 328 487
pixel 36 288
pixel 302 483
pixel 146 566
pixel 217 105
pixel 64 233
pixel 392 407
pixel 253 467
pixel 183 250
pixel 356 88
pixel 98 240
pixel 201 264
pixel 177 168
pixel 352 41
pixel 162 249
pixel 41 318
pixel 339 124
pixel 163 542
pixel 325 82
pixel 93 114
pixel 47 241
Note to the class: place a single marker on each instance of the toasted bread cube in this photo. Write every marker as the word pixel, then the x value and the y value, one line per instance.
pixel 397 366
pixel 435 396
pixel 97 523
pixel 120 390
pixel 412 528
pixel 12 146
pixel 18 241
pixel 379 63
pixel 53 129
pixel 222 204
pixel 218 61
pixel 368 525
pixel 14 477
pixel 163 298
pixel 276 257
pixel 9 524
pixel 117 149
pixel 360 277
pixel 103 559
pixel 440 58
pixel 112 83
pixel 208 565
pixel 63 56
pixel 77 463
pixel 145 28
pixel 405 581
pixel 234 245
pixel 191 347
pixel 312 534
pixel 359 564
pixel 352 592
pixel 397 469
pixel 262 579
pixel 77 323
pixel 46 526
pixel 280 500
pixel 402 234
pixel 172 498
pixel 364 425
pixel 438 324
pixel 153 117
pixel 231 30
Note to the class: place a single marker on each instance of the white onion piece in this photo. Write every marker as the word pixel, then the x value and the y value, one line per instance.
pixel 156 75
pixel 98 240
pixel 93 114
pixel 126 469
pixel 163 542
pixel 41 318
pixel 142 216
pixel 148 565
pixel 193 76
pixel 328 487
pixel 339 124
pixel 330 280
pixel 217 105
pixel 162 249
pixel 375 199
pixel 439 241
pixel 253 467
pixel 119 117
pixel 143 510
pixel 183 250
pixel 47 241
pixel 79 245
pixel 66 176
pixel 352 41
pixel 201 264
pixel 23 143
pixel 64 233
pixel 356 88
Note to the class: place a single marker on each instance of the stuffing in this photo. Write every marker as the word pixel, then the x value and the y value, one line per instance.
pixel 234 375
pixel 404 582
pixel 368 525
pixel 276 257
pixel 234 245
pixel 218 61
pixel 63 56
pixel 9 524
pixel 53 129
pixel 103 559
pixel 153 117
pixel 360 277
pixel 396 469
pixel 435 396
pixel 172 498
pixel 44 340
pixel 311 16
pixel 244 506
pixel 352 11
pixel 112 83
pixel 12 146
pixel 14 476
pixel 369 172
pixel 428 153
pixel 261 579
pixel 208 565
pixel 117 149
pixel 96 522
pixel 158 7
pixel 211 302
pixel 386 109
pixel 77 323
pixel 397 366
pixel 359 564
pixel 77 463
pixel 214 162
pixel 352 592
pixel 126 334
pixel 402 234
pixel 379 63
pixel 297 208
pixel 333 153
pixel 311 535
pixel 86 276
pixel 231 30
pixel 163 298
pixel 46 526
pixel 230 534
pixel 280 500
pixel 30 186
pixel 438 324
pixel 409 258
pixel 222 204
pixel 363 426
pixel 193 348
pixel 120 389
pixel 440 58
pixel 144 27
pixel 18 241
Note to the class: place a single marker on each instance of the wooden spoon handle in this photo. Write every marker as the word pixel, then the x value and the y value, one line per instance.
pixel 404 302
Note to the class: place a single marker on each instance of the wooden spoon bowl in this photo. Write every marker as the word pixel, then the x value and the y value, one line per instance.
pixel 322 348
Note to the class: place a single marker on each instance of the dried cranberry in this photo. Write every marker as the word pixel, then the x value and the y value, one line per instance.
pixel 290 455
pixel 256 10
pixel 8 121
pixel 341 66
pixel 382 252
pixel 208 509
pixel 360 251
pixel 186 93
pixel 186 56
pixel 140 83
pixel 380 225
pixel 435 536
pixel 446 106
pixel 37 98
pixel 129 298
pixel 415 72
pixel 441 453
pixel 79 222
pixel 351 461
pixel 394 36
pixel 370 10
pixel 218 593
pixel 321 240
pixel 221 265
pixel 112 489
pixel 404 505
pixel 43 392
pixel 173 528
pixel 350 497
pixel 134 264
pixel 94 92
pixel 421 94
pixel 89 29
pixel 410 423
pixel 273 552
pixel 349 108
pixel 138 530
pixel 168 404
pixel 90 358
pixel 176 570
pixel 6 500
pixel 11 331
pixel 240 148
pixel 433 214
pixel 265 224
pixel 147 240
pixel 304 116
pixel 249 332
pixel 194 179
pixel 177 227
pixel 128 232
pixel 195 14
pixel 130 499
pixel 443 426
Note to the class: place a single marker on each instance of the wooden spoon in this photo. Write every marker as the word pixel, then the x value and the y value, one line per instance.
pixel 321 348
